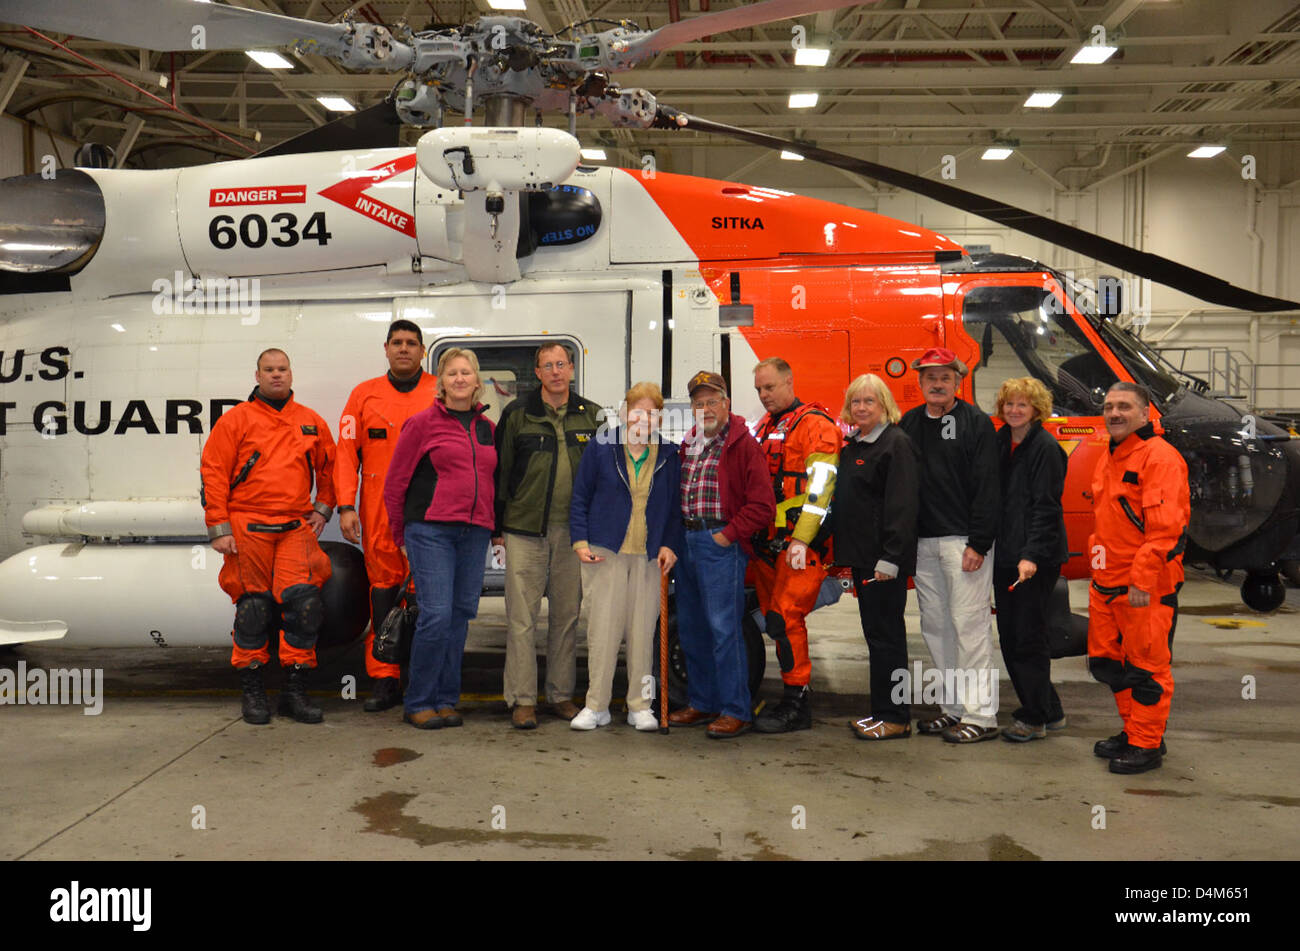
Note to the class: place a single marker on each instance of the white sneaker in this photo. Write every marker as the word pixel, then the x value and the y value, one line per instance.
pixel 589 719
pixel 643 720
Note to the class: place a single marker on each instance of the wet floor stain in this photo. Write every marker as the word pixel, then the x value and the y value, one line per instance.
pixel 998 848
pixel 1228 609
pixel 384 815
pixel 764 852
pixel 700 853
pixel 1292 801
pixel 1172 793
pixel 392 755
pixel 874 779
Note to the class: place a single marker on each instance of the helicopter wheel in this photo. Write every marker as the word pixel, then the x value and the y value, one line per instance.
pixel 1263 591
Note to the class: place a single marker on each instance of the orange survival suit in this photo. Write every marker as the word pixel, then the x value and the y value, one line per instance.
pixel 802 445
pixel 1142 506
pixel 368 430
pixel 258 467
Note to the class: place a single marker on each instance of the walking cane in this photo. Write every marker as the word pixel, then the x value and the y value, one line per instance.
pixel 663 653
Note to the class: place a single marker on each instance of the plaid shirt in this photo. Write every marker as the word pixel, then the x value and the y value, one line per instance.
pixel 701 497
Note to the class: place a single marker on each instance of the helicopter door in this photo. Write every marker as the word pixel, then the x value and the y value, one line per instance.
pixel 1011 331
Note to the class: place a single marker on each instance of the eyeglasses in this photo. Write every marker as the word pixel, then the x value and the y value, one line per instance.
pixel 707 404
pixel 557 365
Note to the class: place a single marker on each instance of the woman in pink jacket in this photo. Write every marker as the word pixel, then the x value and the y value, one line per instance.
pixel 439 497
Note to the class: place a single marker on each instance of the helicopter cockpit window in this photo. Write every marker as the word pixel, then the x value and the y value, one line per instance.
pixel 506 367
pixel 49 226
pixel 1026 331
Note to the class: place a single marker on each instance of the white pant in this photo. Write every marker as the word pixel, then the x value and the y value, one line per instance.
pixel 956 622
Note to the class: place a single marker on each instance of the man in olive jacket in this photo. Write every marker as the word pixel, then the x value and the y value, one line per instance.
pixel 540 440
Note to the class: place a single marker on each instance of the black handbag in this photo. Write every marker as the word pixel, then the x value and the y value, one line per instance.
pixel 393 639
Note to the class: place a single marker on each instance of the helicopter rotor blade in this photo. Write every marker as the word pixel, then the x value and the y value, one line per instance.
pixel 169 25
pixel 723 21
pixel 1199 284
pixel 375 127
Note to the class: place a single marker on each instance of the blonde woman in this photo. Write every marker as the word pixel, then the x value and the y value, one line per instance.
pixel 439 497
pixel 1029 552
pixel 626 521
pixel 875 510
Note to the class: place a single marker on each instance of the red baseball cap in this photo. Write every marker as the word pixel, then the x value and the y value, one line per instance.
pixel 939 357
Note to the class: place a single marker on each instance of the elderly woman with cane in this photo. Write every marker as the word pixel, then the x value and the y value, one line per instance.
pixel 626 524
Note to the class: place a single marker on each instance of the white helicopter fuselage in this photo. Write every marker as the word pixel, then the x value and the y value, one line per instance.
pixel 108 388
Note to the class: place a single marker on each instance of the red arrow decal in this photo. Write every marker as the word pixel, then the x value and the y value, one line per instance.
pixel 350 194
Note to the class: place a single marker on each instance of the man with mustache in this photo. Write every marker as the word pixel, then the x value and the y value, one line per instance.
pixel 1141 502
pixel 956 526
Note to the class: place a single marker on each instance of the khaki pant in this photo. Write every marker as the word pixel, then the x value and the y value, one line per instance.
pixel 537 566
pixel 623 592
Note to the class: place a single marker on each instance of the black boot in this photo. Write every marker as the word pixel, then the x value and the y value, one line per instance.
pixel 1135 759
pixel 386 692
pixel 794 712
pixel 294 701
pixel 1113 746
pixel 254 705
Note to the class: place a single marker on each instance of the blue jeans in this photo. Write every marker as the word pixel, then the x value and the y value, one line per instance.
pixel 710 607
pixel 447 563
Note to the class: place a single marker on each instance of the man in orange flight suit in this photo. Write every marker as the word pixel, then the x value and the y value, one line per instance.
pixel 802 444
pixel 258 467
pixel 1141 502
pixel 368 431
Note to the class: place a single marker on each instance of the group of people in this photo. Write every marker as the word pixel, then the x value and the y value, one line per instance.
pixel 971 514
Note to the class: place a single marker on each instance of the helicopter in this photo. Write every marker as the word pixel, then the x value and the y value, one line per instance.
pixel 135 301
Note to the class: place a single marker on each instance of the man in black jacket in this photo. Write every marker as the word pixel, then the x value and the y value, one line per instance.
pixel 1031 548
pixel 956 528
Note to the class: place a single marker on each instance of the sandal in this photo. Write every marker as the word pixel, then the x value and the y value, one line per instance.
pixel 938 724
pixel 969 733
pixel 869 728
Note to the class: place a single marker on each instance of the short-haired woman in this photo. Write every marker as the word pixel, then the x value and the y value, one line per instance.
pixel 439 497
pixel 625 520
pixel 1029 552
pixel 875 509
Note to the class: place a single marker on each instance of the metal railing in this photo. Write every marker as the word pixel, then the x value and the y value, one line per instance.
pixel 1232 376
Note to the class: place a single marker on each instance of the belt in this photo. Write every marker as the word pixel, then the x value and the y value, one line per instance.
pixel 274 529
pixel 713 524
pixel 1114 592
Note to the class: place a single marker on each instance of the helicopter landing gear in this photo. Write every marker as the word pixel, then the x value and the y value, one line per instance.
pixel 1263 591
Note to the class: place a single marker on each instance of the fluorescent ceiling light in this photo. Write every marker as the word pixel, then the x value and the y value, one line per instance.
pixel 811 56
pixel 507 4
pixel 119 328
pixel 996 154
pixel 1042 100
pixel 1206 151
pixel 268 60
pixel 336 104
pixel 597 155
pixel 803 100
pixel 1093 55
pixel 791 156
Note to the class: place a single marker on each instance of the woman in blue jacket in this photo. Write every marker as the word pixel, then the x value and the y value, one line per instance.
pixel 625 520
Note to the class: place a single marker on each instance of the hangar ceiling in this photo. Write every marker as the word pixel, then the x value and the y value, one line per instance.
pixel 901 73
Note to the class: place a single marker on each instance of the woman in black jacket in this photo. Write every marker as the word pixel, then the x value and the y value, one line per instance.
pixel 875 508
pixel 1029 552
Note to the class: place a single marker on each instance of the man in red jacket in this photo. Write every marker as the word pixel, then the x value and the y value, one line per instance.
pixel 368 431
pixel 726 498
pixel 258 467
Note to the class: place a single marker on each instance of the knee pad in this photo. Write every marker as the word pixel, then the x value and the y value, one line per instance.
pixel 254 619
pixel 776 631
pixel 1145 689
pixel 1109 671
pixel 304 613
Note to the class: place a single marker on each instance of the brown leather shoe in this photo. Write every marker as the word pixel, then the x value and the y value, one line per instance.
pixel 566 709
pixel 869 728
pixel 689 716
pixel 424 720
pixel 724 728
pixel 449 716
pixel 524 718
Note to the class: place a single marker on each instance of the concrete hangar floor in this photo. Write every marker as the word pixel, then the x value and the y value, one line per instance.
pixel 168 770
